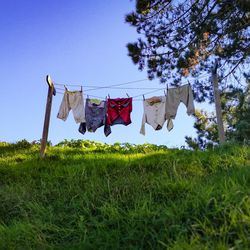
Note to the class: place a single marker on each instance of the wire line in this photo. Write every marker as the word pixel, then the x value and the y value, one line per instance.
pixel 97 87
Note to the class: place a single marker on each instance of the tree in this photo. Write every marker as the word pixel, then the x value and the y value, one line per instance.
pixel 240 120
pixel 181 38
pixel 206 129
pixel 236 118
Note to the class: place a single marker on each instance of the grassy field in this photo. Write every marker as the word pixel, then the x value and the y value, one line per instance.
pixel 93 196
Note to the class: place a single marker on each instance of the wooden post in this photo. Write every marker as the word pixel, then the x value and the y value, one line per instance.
pixel 217 101
pixel 51 92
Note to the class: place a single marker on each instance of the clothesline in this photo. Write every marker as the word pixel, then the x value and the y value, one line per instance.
pixel 118 88
pixel 97 113
pixel 100 87
pixel 103 98
pixel 113 86
pixel 100 97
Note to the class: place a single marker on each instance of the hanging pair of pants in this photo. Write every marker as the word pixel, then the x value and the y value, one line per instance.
pixel 72 100
pixel 174 97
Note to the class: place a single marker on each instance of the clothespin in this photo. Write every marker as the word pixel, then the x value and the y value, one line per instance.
pixel 108 96
pixel 165 92
pixel 189 83
pixel 127 95
pixel 81 88
pixel 143 97
pixel 65 87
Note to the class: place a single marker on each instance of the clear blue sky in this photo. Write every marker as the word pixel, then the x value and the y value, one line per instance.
pixel 76 42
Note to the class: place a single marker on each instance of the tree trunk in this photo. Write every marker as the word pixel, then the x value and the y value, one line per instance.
pixel 217 101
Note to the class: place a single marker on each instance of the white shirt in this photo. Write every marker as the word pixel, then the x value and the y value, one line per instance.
pixel 154 114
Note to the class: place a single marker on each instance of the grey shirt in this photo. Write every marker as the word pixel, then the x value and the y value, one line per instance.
pixel 95 115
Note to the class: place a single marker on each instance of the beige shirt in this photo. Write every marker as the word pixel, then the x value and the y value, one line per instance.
pixel 154 113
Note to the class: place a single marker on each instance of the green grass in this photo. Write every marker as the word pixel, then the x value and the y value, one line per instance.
pixel 124 197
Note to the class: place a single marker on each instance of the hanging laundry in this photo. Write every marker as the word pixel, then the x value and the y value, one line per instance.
pixel 154 112
pixel 72 100
pixel 119 110
pixel 174 97
pixel 95 114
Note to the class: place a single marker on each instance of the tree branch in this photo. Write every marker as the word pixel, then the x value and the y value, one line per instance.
pixel 157 12
pixel 232 70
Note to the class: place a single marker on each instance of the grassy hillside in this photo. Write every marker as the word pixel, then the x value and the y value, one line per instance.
pixel 94 196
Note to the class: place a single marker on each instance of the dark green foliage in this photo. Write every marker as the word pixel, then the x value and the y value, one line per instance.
pixel 183 38
pixel 241 126
pixel 79 198
pixel 92 146
pixel 206 129
pixel 236 118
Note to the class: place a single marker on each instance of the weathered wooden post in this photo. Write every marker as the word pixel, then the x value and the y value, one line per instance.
pixel 217 101
pixel 51 92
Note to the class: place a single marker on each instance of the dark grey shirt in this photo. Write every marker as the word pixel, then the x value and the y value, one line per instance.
pixel 95 114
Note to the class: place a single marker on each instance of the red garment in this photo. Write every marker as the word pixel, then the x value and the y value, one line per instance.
pixel 118 111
